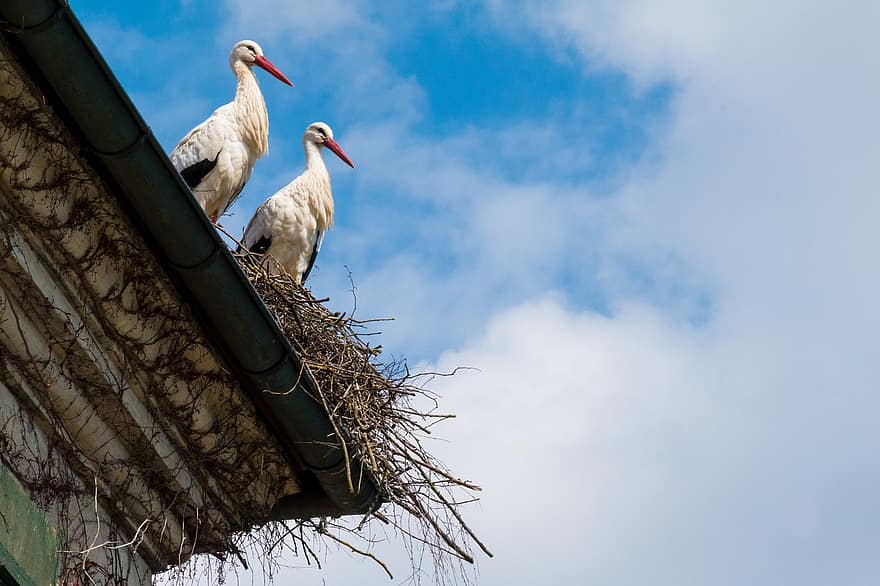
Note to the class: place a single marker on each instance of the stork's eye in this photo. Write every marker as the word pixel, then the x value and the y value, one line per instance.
pixel 251 49
pixel 321 131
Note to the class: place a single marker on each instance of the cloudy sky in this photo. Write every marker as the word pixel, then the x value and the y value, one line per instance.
pixel 649 225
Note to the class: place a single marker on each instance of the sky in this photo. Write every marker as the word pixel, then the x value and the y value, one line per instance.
pixel 650 227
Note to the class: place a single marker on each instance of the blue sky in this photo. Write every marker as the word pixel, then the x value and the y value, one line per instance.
pixel 651 227
pixel 445 79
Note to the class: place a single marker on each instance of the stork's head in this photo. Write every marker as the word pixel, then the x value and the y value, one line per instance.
pixel 250 53
pixel 321 134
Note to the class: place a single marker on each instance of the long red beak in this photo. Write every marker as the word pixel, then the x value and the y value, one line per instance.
pixel 267 65
pixel 334 146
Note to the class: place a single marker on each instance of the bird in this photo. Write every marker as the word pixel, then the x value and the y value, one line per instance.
pixel 216 158
pixel 290 225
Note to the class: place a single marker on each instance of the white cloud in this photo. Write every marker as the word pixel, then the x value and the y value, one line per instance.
pixel 753 462
pixel 766 181
pixel 690 39
pixel 569 426
pixel 299 22
pixel 636 448
pixel 633 449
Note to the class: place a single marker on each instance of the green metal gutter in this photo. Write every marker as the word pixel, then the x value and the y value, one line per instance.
pixel 255 346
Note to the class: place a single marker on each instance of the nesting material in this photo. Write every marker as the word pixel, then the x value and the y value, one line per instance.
pixel 382 411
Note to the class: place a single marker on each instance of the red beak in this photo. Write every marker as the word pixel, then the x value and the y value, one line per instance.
pixel 334 146
pixel 267 65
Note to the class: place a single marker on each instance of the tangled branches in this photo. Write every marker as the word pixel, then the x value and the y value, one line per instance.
pixel 383 412
pixel 119 417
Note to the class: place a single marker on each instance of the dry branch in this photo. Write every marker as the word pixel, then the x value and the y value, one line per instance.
pixel 381 410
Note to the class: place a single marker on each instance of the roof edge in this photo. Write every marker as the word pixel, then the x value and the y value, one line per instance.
pixel 180 232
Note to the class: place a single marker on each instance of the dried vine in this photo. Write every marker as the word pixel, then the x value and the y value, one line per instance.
pixel 117 331
pixel 96 345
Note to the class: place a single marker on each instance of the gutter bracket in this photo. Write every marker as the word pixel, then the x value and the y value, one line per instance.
pixel 124 151
pixel 47 23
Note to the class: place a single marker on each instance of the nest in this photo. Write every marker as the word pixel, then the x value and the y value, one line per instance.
pixel 383 412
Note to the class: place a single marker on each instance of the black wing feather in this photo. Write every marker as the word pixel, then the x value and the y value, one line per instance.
pixel 315 249
pixel 262 245
pixel 196 173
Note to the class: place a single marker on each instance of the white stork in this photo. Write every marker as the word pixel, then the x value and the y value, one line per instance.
pixel 290 225
pixel 216 157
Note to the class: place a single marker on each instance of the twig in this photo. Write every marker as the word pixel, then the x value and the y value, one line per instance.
pixel 360 552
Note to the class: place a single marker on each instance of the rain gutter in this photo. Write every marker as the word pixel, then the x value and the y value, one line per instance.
pixel 207 274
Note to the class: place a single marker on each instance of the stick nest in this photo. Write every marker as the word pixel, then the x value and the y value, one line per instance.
pixel 383 412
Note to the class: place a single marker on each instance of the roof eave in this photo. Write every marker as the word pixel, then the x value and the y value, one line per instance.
pixel 188 245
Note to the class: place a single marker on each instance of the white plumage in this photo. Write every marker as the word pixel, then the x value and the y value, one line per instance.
pixel 216 157
pixel 290 225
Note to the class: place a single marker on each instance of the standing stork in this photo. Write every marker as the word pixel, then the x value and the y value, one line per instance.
pixel 290 225
pixel 216 157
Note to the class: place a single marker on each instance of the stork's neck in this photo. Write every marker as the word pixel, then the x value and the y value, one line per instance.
pixel 250 109
pixel 319 190
pixel 314 157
